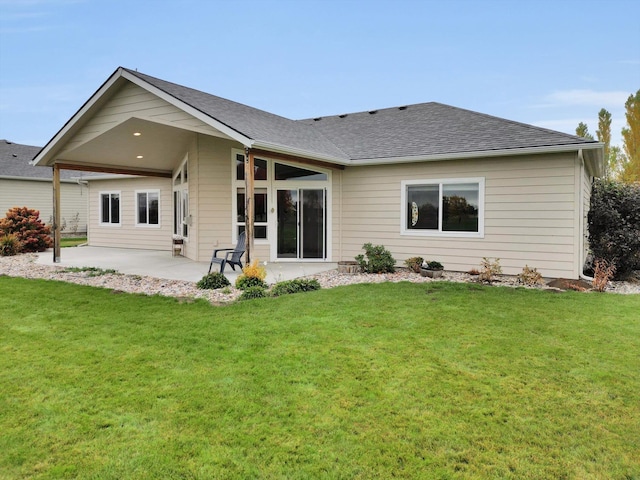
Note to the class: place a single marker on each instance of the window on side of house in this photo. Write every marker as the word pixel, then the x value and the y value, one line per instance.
pixel 260 196
pixel 110 208
pixel 148 208
pixel 448 207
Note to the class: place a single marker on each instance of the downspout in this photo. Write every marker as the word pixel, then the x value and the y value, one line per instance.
pixel 581 255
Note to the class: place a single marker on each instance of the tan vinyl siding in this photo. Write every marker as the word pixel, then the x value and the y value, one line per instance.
pixel 213 187
pixel 128 234
pixel 39 196
pixel 530 213
pixel 132 100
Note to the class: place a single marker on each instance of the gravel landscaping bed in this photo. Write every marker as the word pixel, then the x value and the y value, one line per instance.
pixel 24 266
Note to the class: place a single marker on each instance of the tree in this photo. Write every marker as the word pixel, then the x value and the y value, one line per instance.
pixel 583 131
pixel 604 135
pixel 631 139
pixel 617 163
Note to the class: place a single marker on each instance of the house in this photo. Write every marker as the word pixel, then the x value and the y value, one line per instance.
pixel 23 185
pixel 432 180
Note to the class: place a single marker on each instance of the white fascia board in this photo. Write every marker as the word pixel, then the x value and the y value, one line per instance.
pixel 46 150
pixel 247 142
pixel 299 152
pixel 478 154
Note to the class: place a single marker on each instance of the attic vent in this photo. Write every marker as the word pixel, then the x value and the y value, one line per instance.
pixel 402 108
pixel 14 155
pixel 373 112
pixel 343 115
pixel 317 119
pixel 7 142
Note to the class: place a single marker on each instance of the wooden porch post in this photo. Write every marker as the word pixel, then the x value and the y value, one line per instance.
pixel 56 213
pixel 249 208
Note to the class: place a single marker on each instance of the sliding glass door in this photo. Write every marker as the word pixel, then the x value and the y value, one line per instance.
pixel 302 232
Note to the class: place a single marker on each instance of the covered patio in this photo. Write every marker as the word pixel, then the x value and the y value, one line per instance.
pixel 161 264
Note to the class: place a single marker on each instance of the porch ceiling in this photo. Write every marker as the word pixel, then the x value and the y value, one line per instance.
pixel 162 147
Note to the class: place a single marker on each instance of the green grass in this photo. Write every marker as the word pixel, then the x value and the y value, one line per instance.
pixel 72 241
pixel 367 381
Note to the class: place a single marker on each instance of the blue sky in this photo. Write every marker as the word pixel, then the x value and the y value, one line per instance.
pixel 551 63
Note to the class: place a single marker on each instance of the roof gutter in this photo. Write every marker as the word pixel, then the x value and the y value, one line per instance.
pixel 480 154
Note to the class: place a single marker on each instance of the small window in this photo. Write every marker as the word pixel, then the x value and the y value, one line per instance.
pixel 450 207
pixel 110 208
pixel 259 168
pixel 259 211
pixel 290 172
pixel 148 207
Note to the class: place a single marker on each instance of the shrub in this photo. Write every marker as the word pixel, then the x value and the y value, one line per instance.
pixel 255 270
pixel 489 270
pixel 9 245
pixel 414 263
pixel 614 225
pixel 530 276
pixel 243 282
pixel 253 275
pixel 294 286
pixel 253 292
pixel 213 281
pixel 25 223
pixel 603 271
pixel 378 259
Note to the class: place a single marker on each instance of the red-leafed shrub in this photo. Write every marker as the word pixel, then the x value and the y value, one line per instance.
pixel 25 224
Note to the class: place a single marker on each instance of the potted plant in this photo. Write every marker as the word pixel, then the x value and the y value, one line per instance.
pixel 431 269
pixel 414 263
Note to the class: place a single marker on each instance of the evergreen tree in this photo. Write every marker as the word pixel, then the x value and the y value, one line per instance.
pixel 583 131
pixel 604 135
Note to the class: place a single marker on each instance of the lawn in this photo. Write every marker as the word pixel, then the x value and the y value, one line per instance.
pixel 72 241
pixel 368 381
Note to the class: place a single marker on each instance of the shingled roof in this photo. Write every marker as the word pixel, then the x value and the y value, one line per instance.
pixel 14 163
pixel 419 130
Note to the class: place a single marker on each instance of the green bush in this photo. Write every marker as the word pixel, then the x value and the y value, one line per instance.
pixel 9 245
pixel 614 225
pixel 434 265
pixel 25 223
pixel 294 286
pixel 253 292
pixel 213 281
pixel 244 282
pixel 378 259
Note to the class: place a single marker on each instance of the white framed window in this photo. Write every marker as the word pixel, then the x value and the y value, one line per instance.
pixel 110 208
pixel 262 177
pixel 181 217
pixel 148 208
pixel 452 207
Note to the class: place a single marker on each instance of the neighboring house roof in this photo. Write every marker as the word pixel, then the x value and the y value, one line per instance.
pixel 15 161
pixel 426 131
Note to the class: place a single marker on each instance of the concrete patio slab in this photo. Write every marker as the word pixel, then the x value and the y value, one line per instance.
pixel 162 264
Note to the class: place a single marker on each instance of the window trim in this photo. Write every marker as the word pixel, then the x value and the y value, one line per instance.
pixel 109 223
pixel 440 233
pixel 147 224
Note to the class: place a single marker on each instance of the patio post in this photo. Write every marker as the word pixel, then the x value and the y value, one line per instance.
pixel 249 175
pixel 56 213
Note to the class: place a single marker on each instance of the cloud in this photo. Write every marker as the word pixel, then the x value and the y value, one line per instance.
pixel 590 98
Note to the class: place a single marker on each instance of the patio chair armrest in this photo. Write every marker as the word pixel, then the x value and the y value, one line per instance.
pixel 215 252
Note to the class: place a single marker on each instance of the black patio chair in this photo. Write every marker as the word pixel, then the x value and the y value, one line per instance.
pixel 233 256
